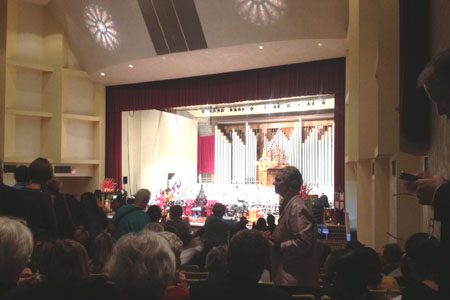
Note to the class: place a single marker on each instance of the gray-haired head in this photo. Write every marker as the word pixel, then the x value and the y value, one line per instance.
pixel 175 244
pixel 156 227
pixel 292 177
pixel 142 265
pixel 16 247
pixel 216 262
pixel 141 198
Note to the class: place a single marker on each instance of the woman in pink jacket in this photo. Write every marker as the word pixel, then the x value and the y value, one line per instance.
pixel 294 255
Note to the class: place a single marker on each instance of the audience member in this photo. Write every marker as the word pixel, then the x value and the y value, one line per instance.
pixel 153 226
pixel 248 255
pixel 21 177
pixel 141 266
pixel 216 263
pixel 355 270
pixel 154 212
pixel 260 224
pixel 271 223
pixel 40 212
pixel 131 217
pixel 182 227
pixel 391 259
pixel 319 206
pixel 294 259
pixel 216 229
pixel 12 203
pixel 64 261
pixel 94 218
pixel 63 214
pixel 100 252
pixel 16 247
pixel 178 289
pixel 420 267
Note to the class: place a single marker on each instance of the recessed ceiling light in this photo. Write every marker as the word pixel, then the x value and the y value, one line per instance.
pixel 319 44
pixel 131 66
pixel 261 47
pixel 101 73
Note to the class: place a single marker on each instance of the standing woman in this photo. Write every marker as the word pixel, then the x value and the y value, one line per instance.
pixel 38 205
pixel 294 257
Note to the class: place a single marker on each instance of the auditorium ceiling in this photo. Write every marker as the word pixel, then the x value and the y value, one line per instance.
pixel 130 41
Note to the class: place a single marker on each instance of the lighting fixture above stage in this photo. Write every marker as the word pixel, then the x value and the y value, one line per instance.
pixel 283 106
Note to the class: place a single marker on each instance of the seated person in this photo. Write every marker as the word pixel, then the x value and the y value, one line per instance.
pixel 181 226
pixel 248 256
pixel 16 244
pixel 142 266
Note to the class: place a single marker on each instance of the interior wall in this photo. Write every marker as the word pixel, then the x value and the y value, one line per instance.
pixel 156 143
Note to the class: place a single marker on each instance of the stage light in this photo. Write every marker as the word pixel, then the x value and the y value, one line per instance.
pixel 131 66
pixel 319 44
pixel 101 73
pixel 261 47
pixel 101 26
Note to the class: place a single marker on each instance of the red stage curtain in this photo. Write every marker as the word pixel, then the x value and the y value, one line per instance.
pixel 205 154
pixel 312 78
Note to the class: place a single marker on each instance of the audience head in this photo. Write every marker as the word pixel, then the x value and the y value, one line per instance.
pixel 142 265
pixel 356 270
pixel 176 245
pixel 21 174
pixel 219 209
pixel 270 220
pixel 40 171
pixel 64 261
pixel 216 262
pixel 289 179
pixel 248 256
pixel 100 251
pixel 354 245
pixel 89 204
pixel 156 227
pixel 261 224
pixel 175 212
pixel 154 212
pixel 422 258
pixel 141 198
pixel 16 247
pixel 435 78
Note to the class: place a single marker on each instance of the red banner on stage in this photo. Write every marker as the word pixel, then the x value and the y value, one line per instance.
pixel 205 154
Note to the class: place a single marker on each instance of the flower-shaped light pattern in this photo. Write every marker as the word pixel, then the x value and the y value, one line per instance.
pixel 101 26
pixel 261 12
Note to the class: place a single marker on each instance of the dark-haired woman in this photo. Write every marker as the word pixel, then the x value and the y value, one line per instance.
pixel 37 201
pixel 94 218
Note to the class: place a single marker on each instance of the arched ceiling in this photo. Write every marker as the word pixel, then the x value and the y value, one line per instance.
pixel 165 39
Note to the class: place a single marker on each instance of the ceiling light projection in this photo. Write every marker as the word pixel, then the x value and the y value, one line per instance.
pixel 260 12
pixel 101 26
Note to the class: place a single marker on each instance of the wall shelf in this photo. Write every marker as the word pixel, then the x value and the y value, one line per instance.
pixel 80 117
pixel 30 66
pixel 21 160
pixel 29 113
pixel 77 161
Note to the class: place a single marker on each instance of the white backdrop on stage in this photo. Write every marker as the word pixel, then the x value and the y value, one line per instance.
pixel 155 143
